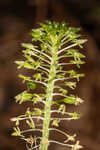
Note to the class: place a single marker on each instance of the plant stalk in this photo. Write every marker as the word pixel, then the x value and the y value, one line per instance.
pixel 49 96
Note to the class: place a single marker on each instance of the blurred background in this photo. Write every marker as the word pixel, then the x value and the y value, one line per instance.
pixel 17 18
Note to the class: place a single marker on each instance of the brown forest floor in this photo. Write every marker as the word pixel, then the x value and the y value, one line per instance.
pixel 17 18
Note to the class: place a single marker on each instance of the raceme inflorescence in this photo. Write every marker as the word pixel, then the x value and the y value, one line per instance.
pixel 51 57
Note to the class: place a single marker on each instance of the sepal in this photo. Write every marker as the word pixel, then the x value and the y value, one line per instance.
pixel 23 97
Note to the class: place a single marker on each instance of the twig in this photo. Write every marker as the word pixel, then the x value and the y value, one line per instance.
pixel 60 79
pixel 54 129
pixel 62 119
pixel 44 54
pixel 30 130
pixel 60 95
pixel 62 50
pixel 62 144
pixel 44 68
pixel 33 117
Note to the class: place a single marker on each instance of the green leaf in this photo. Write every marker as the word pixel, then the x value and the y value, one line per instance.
pixel 28 112
pixel 17 132
pixel 80 42
pixel 78 101
pixel 29 59
pixel 37 64
pixel 37 112
pixel 24 64
pixel 30 123
pixel 37 76
pixel 75 53
pixel 61 75
pixel 31 85
pixel 28 65
pixel 55 123
pixel 44 47
pixel 74 74
pixel 24 78
pixel 19 63
pixel 71 100
pixel 63 91
pixel 37 34
pixel 77 62
pixel 23 97
pixel 16 120
pixel 37 98
pixel 74 115
pixel 62 108
pixel 29 46
pixel 72 85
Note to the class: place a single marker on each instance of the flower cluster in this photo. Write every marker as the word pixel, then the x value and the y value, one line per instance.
pixel 54 46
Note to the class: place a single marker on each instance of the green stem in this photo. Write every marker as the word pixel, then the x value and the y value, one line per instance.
pixel 49 95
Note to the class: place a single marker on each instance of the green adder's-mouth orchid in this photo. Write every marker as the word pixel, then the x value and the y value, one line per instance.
pixel 54 49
